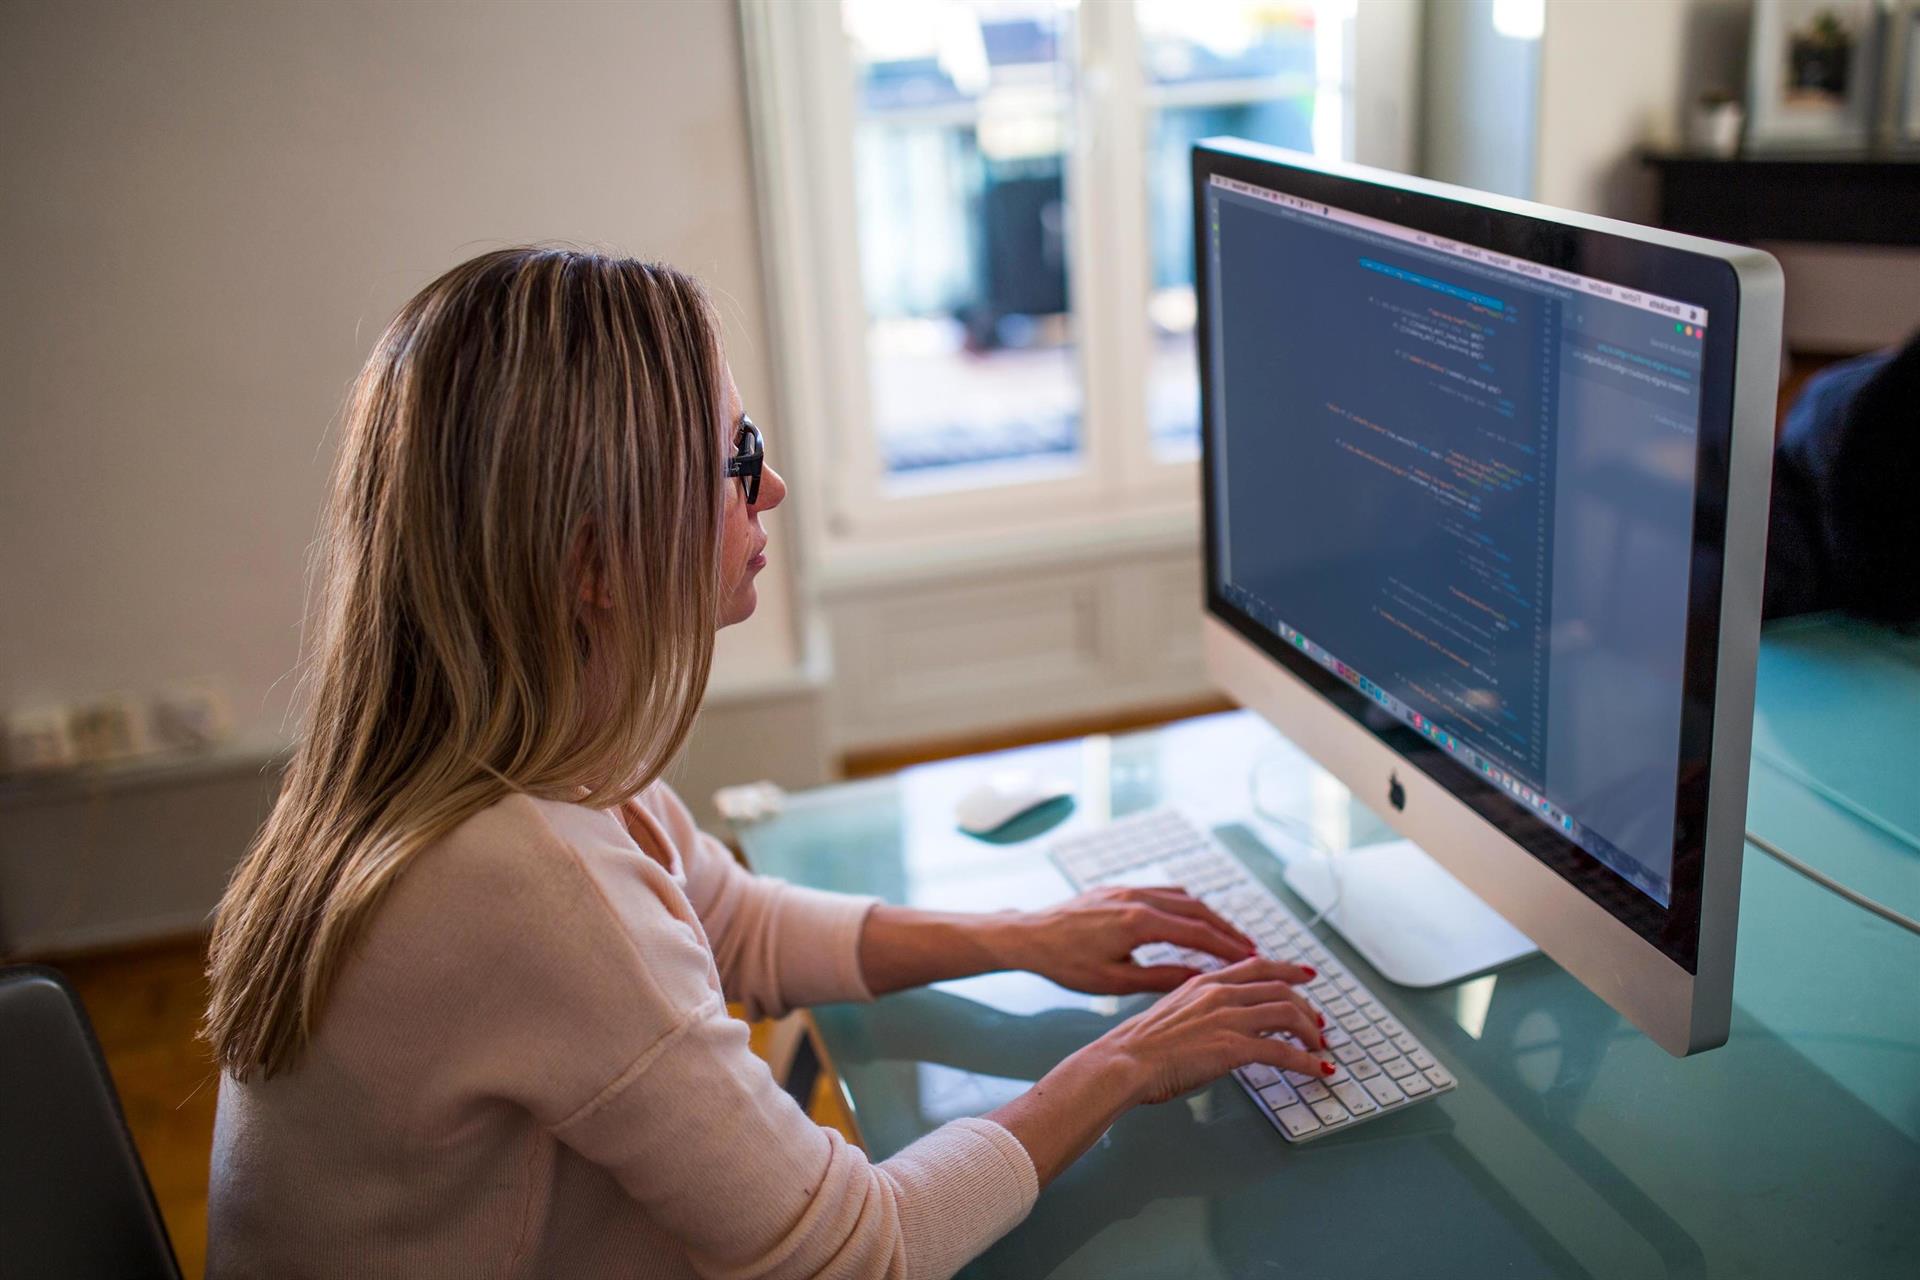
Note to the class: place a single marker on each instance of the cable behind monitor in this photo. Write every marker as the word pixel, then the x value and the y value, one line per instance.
pixel 1831 885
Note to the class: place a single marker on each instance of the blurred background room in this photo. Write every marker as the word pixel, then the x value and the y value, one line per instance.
pixel 951 242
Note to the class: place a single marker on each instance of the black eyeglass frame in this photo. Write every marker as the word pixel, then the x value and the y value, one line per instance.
pixel 749 459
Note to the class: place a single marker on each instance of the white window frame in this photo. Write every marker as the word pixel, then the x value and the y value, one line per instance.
pixel 801 97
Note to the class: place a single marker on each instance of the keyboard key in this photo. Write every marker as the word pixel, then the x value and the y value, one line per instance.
pixel 1421 1058
pixel 1415 1084
pixel 1335 1035
pixel 1356 1099
pixel 1399 1068
pixel 1405 1043
pixel 1439 1077
pixel 1384 1091
pixel 1260 1075
pixel 1330 1112
pixel 1368 1037
pixel 1339 1008
pixel 1391 1027
pixel 1349 1053
pixel 1365 1069
pixel 1297 1121
pixel 1296 1079
pixel 1357 1024
pixel 1277 1096
pixel 1313 1091
pixel 1346 983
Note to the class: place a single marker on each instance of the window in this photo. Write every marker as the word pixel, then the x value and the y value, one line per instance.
pixel 963 115
pixel 1275 73
pixel 978 226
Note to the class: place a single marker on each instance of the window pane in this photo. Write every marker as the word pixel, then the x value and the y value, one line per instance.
pixel 1256 69
pixel 961 137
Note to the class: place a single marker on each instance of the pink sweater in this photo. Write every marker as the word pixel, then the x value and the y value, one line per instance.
pixel 526 1068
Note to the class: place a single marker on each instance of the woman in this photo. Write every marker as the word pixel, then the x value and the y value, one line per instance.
pixel 469 984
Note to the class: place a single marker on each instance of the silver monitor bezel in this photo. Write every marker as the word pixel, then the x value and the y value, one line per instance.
pixel 1685 1012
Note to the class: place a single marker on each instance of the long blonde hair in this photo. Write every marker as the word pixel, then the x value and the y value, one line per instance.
pixel 531 413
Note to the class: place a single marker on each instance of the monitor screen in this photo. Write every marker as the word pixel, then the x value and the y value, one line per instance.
pixel 1459 484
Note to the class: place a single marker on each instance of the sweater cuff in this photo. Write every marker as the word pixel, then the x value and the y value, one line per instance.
pixel 820 952
pixel 971 1182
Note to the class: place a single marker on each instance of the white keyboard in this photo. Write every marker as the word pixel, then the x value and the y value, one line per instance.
pixel 1379 1065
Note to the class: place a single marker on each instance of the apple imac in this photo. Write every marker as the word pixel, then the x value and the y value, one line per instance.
pixel 1485 495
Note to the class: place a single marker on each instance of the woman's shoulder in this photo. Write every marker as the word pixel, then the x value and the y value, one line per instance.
pixel 521 846
pixel 537 899
pixel 526 857
pixel 523 928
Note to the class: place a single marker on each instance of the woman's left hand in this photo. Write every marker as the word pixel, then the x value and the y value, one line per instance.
pixel 1086 944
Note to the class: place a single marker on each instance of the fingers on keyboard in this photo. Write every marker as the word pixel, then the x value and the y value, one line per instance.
pixel 1371 1065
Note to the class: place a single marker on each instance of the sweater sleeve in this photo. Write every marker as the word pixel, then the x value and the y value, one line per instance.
pixel 778 946
pixel 699 1134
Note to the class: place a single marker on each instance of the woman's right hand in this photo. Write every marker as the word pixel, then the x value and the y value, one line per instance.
pixel 1203 1029
pixel 1217 1021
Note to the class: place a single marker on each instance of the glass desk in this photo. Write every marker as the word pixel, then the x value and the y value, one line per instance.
pixel 1573 1147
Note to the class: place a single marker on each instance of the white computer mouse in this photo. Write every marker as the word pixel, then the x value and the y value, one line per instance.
pixel 1003 797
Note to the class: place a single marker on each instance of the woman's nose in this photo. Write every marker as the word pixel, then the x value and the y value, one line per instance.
pixel 773 490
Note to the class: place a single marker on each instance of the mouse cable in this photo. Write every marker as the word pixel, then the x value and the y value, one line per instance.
pixel 1301 832
pixel 1831 885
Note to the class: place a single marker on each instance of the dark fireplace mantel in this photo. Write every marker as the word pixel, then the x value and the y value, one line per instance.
pixel 1820 197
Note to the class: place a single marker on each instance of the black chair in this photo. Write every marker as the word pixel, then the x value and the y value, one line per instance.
pixel 74 1197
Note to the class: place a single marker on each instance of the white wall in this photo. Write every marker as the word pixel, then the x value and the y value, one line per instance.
pixel 1483 87
pixel 1611 81
pixel 213 207
pixel 1386 108
pixel 1560 118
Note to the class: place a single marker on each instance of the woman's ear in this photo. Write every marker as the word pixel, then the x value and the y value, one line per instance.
pixel 586 569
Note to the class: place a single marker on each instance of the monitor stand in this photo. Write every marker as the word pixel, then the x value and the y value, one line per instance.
pixel 1407 915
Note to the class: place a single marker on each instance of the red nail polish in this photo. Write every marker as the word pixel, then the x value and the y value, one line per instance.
pixel 1322 1017
pixel 1310 971
pixel 1326 1068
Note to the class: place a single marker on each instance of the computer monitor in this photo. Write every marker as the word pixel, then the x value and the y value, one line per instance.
pixel 1485 507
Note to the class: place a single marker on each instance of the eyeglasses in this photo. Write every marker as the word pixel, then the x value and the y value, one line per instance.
pixel 749 457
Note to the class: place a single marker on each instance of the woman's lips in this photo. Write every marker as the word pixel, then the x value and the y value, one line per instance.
pixel 759 560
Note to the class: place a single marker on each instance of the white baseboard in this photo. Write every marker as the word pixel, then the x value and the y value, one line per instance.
pixel 1016 646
